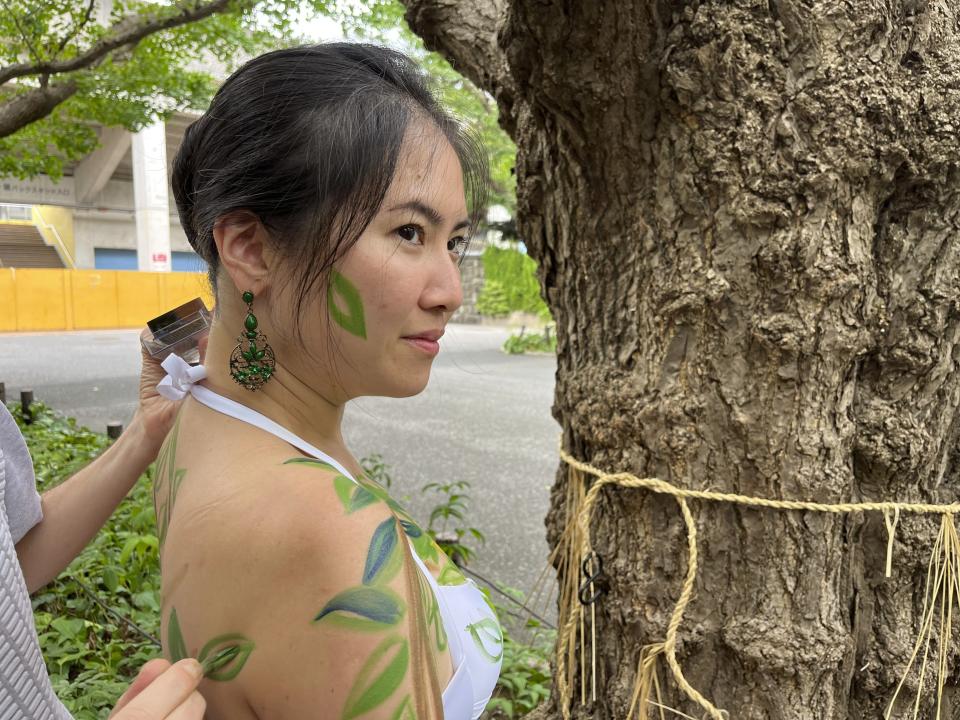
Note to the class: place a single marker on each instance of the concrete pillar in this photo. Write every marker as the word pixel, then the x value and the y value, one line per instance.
pixel 151 199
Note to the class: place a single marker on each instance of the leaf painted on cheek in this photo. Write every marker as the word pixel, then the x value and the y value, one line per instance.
pixel 368 608
pixel 175 643
pixel 379 677
pixel 345 305
pixel 382 558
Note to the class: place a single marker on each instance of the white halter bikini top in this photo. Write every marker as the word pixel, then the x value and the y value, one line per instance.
pixel 473 632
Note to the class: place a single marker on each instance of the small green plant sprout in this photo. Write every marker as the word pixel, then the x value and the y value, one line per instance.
pixel 376 469
pixel 525 681
pixel 448 519
pixel 524 342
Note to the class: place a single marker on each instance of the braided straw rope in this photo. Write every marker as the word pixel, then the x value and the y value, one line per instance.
pixel 943 581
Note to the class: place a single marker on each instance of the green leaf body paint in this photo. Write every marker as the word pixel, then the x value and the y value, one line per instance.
pixel 382 559
pixel 379 677
pixel 450 575
pixel 485 632
pixel 373 607
pixel 360 499
pixel 224 657
pixel 168 481
pixel 178 648
pixel 341 292
pixel 311 461
pixel 426 549
pixel 411 529
pixel 405 711
pixel 344 487
pixel 432 621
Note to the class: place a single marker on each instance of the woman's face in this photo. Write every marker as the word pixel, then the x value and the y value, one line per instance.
pixel 394 291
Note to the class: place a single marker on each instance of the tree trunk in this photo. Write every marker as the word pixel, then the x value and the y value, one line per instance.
pixel 745 214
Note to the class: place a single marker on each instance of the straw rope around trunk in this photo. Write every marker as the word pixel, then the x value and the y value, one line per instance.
pixel 941 592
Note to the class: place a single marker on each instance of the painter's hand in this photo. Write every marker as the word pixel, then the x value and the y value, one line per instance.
pixel 163 692
pixel 155 414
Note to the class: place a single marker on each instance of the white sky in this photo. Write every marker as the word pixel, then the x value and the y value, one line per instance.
pixel 321 29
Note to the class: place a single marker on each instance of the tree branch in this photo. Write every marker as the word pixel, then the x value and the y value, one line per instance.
pixel 465 32
pixel 127 31
pixel 28 107
pixel 76 28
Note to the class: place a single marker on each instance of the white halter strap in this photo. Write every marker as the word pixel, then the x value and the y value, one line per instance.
pixel 182 378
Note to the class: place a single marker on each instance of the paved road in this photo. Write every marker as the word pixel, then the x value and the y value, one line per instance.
pixel 484 418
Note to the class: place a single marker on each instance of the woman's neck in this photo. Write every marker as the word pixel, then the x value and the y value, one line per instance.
pixel 301 407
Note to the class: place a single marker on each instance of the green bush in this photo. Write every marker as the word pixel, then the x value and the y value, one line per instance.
pixel 524 342
pixel 492 300
pixel 510 284
pixel 525 679
pixel 99 620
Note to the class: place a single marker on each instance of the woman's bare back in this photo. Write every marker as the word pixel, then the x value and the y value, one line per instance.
pixel 294 583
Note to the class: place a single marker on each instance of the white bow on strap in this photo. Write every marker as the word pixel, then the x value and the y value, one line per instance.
pixel 180 376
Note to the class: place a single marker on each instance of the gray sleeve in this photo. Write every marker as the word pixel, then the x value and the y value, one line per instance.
pixel 20 501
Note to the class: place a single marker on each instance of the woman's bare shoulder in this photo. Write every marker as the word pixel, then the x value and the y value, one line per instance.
pixel 280 507
pixel 269 566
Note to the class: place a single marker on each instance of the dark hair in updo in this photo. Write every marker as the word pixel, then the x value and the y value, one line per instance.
pixel 307 139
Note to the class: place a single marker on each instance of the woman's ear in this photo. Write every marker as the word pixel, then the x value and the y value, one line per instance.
pixel 242 244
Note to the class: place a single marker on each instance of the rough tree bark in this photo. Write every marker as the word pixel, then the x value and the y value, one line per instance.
pixel 745 214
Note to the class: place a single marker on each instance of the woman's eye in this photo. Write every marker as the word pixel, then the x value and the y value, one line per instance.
pixel 411 233
pixel 458 245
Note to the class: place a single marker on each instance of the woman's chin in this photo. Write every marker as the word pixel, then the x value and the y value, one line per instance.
pixel 406 386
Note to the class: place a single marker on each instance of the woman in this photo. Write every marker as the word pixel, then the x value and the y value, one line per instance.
pixel 325 188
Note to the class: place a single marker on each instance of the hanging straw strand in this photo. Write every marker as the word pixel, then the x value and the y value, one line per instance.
pixel 942 587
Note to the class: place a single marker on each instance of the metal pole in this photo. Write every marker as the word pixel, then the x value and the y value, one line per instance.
pixel 114 430
pixel 26 400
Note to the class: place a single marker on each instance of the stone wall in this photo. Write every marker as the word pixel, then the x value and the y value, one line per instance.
pixel 471 274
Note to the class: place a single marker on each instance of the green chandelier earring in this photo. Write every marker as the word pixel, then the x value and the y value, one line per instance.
pixel 252 367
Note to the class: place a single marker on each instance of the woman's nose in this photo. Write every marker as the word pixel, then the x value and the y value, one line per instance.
pixel 443 290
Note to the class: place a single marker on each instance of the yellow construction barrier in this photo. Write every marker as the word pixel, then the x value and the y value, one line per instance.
pixel 41 299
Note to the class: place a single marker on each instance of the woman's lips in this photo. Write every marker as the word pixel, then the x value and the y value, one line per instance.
pixel 431 347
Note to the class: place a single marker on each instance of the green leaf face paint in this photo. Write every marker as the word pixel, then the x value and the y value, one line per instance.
pixel 345 305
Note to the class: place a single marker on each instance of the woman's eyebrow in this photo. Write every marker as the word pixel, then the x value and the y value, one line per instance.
pixel 432 214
